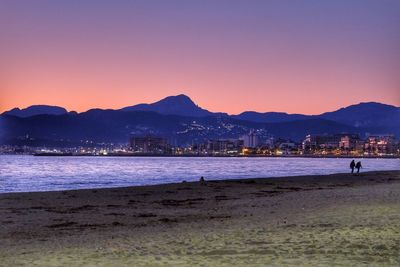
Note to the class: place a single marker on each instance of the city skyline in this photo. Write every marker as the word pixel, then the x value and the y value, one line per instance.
pixel 229 56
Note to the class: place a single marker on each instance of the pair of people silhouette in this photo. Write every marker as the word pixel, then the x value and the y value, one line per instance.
pixel 357 165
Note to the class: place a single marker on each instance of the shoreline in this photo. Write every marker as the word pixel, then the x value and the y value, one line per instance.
pixel 337 219
pixel 227 156
pixel 275 179
pixel 211 156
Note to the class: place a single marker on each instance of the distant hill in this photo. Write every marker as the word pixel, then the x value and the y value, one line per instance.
pixel 369 114
pixel 173 105
pixel 36 110
pixel 116 126
pixel 269 116
pixel 183 122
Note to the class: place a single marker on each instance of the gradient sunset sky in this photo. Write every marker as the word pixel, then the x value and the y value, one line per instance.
pixel 306 56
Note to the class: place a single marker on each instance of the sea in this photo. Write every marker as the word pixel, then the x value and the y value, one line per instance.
pixel 24 173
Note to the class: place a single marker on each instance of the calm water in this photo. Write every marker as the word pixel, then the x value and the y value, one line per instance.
pixel 29 173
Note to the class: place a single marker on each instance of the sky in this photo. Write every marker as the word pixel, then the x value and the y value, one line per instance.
pixel 304 56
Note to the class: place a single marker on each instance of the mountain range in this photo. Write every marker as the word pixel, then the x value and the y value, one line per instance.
pixel 183 122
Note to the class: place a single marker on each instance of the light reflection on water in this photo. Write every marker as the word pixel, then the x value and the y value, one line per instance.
pixel 29 173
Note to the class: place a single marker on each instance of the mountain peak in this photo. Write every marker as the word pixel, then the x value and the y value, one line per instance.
pixel 180 96
pixel 178 99
pixel 172 105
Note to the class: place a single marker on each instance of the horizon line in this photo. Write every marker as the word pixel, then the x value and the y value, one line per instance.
pixel 229 114
pixel 199 106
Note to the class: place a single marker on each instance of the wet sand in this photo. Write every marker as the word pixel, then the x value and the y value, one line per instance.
pixel 338 219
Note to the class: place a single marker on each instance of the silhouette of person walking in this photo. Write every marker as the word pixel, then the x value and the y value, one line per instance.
pixel 358 166
pixel 352 165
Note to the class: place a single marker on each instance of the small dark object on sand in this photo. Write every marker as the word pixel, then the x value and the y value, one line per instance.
pixel 202 181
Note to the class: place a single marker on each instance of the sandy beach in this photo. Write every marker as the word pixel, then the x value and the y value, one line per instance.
pixel 339 219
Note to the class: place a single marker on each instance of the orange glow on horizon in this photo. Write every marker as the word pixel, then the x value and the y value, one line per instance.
pixel 250 56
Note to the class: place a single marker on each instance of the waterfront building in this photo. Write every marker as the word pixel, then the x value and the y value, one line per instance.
pixel 149 144
pixel 250 140
pixel 351 144
pixel 224 146
pixel 349 141
pixel 287 148
pixel 270 142
pixel 380 144
pixel 328 143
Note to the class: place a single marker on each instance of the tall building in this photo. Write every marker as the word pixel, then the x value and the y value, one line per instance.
pixel 250 140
